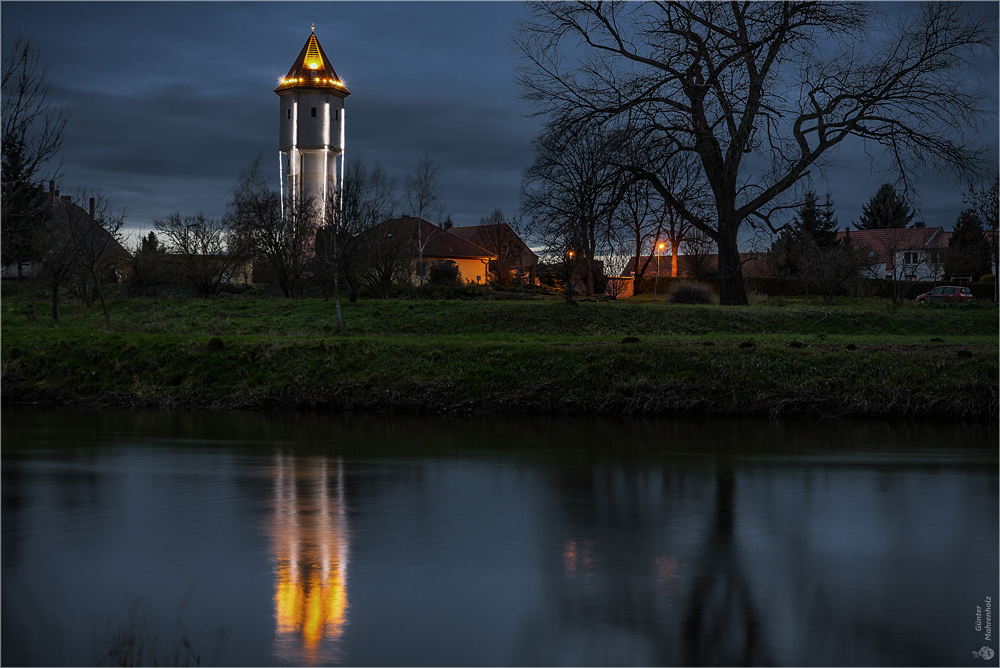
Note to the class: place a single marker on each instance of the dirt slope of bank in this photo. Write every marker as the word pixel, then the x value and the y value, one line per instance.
pixel 747 376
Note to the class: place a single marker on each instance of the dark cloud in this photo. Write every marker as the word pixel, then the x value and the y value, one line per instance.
pixel 171 100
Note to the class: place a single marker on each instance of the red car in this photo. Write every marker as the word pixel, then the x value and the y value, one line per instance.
pixel 946 293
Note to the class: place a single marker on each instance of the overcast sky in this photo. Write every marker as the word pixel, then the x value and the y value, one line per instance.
pixel 171 100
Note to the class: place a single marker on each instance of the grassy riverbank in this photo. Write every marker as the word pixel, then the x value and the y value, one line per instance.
pixel 791 357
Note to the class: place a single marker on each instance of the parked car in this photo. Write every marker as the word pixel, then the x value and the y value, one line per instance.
pixel 946 293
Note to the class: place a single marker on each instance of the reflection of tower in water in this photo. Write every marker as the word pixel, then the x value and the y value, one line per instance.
pixel 309 533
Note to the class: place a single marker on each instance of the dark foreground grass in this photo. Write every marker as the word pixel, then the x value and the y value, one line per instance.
pixel 795 358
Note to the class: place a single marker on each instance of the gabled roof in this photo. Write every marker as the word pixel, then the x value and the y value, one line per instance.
pixel 438 242
pixel 489 235
pixel 882 245
pixel 312 69
pixel 69 211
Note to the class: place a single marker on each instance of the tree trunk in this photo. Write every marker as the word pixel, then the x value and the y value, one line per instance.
pixel 731 291
pixel 55 303
pixel 673 260
pixel 104 302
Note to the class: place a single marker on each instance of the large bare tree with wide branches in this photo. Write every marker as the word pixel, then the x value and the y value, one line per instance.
pixel 758 93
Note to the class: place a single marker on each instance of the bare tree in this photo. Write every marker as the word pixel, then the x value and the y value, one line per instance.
pixel 95 235
pixel 387 251
pixel 56 255
pixel 572 191
pixel 986 203
pixel 366 199
pixel 496 234
pixel 32 134
pixel 827 269
pixel 637 225
pixel 281 233
pixel 759 92
pixel 209 252
pixel 698 250
pixel 422 195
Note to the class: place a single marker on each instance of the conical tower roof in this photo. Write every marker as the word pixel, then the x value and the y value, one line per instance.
pixel 312 69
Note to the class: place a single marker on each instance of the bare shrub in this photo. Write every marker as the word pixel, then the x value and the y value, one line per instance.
pixel 691 293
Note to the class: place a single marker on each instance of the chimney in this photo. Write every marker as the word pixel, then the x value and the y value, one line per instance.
pixel 919 223
pixel 66 198
pixel 447 224
pixel 55 194
pixel 91 207
pixel 52 186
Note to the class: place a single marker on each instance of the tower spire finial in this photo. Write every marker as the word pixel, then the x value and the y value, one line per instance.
pixel 314 27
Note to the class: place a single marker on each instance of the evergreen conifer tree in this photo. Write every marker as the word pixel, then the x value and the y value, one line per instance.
pixel 886 210
pixel 815 221
pixel 968 251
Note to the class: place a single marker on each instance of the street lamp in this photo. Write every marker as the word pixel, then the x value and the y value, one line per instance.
pixel 569 274
pixel 659 251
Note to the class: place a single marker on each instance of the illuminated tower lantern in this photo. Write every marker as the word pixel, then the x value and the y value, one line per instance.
pixel 312 126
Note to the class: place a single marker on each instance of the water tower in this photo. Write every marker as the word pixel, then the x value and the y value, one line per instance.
pixel 311 127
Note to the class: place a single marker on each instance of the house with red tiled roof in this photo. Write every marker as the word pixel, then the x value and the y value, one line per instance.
pixel 512 255
pixel 431 243
pixel 903 254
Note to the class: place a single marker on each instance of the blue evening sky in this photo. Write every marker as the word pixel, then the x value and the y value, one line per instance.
pixel 170 100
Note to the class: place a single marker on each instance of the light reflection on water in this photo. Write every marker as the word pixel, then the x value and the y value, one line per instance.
pixel 309 532
pixel 584 542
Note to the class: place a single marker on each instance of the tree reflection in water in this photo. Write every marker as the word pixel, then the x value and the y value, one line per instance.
pixel 721 625
pixel 310 542
pixel 650 571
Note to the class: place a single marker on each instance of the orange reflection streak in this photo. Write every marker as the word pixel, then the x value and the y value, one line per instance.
pixel 310 542
pixel 666 568
pixel 569 557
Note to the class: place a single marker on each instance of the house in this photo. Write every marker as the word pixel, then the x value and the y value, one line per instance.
pixel 903 254
pixel 115 257
pixel 420 239
pixel 512 255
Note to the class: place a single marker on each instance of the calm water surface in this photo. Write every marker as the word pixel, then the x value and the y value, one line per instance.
pixel 304 539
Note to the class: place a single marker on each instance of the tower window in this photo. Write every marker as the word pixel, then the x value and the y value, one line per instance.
pixel 289 113
pixel 312 112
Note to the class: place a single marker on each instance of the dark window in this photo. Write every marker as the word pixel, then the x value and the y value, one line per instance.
pixel 312 112
pixel 338 114
pixel 289 113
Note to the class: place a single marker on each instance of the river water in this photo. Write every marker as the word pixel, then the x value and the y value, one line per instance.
pixel 377 540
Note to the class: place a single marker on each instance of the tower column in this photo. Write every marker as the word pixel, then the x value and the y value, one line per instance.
pixel 311 134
